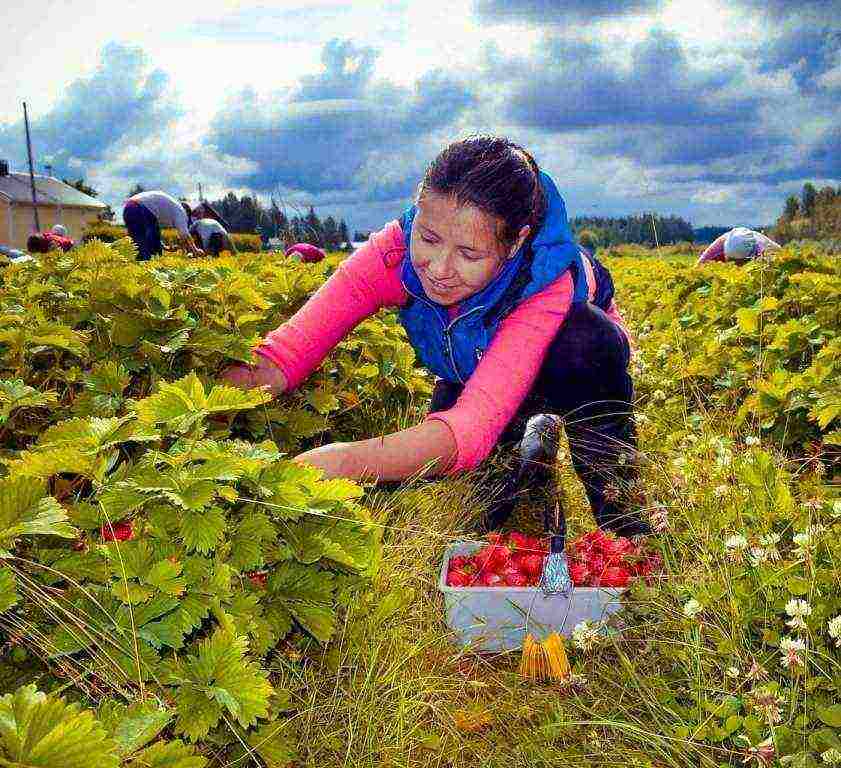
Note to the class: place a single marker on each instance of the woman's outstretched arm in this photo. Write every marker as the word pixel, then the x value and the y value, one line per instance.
pixel 396 456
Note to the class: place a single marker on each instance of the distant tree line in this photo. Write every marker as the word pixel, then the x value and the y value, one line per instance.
pixel 815 214
pixel 643 229
pixel 248 214
pixel 108 213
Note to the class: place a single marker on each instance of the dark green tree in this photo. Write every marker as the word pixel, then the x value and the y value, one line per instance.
pixel 808 198
pixel 792 209
pixel 82 187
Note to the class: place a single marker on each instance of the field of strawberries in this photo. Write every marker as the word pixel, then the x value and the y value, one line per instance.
pixel 174 592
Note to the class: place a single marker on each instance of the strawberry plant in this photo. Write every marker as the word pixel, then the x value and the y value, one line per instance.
pixel 156 538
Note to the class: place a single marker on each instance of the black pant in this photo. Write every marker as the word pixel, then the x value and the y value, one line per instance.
pixel 142 226
pixel 584 379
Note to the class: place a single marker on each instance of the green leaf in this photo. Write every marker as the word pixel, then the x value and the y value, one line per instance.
pixel 15 394
pixel 322 400
pixel 44 463
pixel 170 754
pixel 224 398
pixel 197 714
pixel 329 492
pixel 130 592
pixel 25 509
pixel 203 531
pixel 246 543
pixel 8 589
pixel 39 731
pixel 134 726
pixel 831 715
pixel 797 585
pixel 166 576
pixel 221 670
pixel 194 495
pixel 306 592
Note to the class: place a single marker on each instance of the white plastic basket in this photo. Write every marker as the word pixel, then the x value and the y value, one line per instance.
pixel 498 618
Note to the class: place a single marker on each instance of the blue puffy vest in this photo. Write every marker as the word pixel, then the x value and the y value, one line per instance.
pixel 452 348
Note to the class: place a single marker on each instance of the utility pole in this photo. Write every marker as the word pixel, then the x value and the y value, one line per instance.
pixel 31 172
pixel 201 199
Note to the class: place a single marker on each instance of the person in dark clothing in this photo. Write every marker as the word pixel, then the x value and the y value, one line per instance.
pixel 584 383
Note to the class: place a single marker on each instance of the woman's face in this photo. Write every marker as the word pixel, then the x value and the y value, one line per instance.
pixel 454 249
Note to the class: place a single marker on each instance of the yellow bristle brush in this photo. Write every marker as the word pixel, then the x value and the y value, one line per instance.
pixel 547 659
pixel 544 659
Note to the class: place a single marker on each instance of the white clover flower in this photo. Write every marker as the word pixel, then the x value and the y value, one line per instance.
pixel 725 458
pixel 732 672
pixel 834 628
pixel 751 440
pixel 585 635
pixel 721 491
pixel 791 648
pixel 798 610
pixel 737 541
pixel 758 555
pixel 771 540
pixel 658 394
pixel 641 419
pixel 660 518
pixel 692 608
pixel 831 757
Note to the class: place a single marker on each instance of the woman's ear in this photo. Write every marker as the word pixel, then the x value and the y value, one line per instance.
pixel 521 238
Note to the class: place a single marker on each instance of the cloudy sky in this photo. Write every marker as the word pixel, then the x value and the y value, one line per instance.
pixel 711 109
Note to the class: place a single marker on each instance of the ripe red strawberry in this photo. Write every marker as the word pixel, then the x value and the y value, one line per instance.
pixel 614 576
pixel 457 578
pixel 615 550
pixel 122 531
pixel 491 579
pixel 459 561
pixel 513 578
pixel 258 579
pixel 520 542
pixel 493 557
pixel 579 573
pixel 496 538
pixel 532 565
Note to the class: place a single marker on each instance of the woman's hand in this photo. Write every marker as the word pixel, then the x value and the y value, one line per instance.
pixel 397 456
pixel 263 374
pixel 331 458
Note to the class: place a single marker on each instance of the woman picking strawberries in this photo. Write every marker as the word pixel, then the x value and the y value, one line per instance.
pixel 500 303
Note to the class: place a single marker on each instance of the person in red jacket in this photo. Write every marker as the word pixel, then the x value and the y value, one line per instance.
pixel 309 254
pixel 41 242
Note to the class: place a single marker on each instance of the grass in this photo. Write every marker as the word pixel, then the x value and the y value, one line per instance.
pixel 393 689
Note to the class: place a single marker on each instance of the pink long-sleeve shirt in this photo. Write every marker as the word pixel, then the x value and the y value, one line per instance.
pixel 369 280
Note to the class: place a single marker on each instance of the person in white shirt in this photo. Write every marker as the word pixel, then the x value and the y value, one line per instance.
pixel 147 212
pixel 212 236
pixel 738 245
